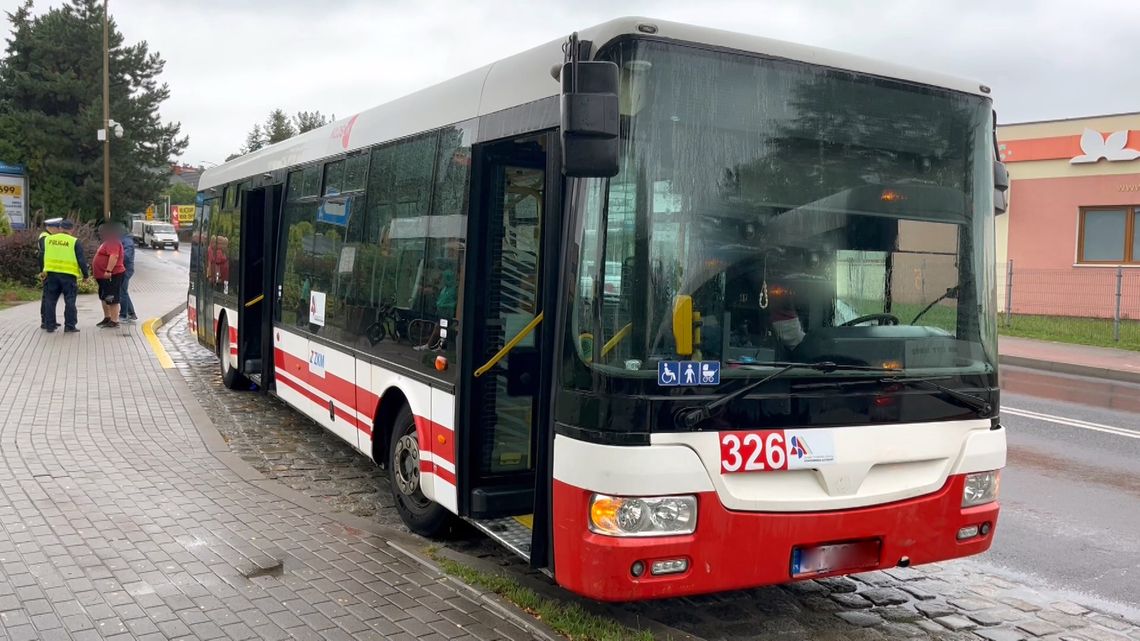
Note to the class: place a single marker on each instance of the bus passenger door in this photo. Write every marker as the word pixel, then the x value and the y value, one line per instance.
pixel 501 358
pixel 255 285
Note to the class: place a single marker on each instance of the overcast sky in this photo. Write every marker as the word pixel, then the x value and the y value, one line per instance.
pixel 229 62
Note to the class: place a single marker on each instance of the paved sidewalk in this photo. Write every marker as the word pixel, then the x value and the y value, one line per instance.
pixel 132 528
pixel 1083 360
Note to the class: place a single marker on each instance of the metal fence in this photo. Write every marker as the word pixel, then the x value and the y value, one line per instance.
pixel 1086 304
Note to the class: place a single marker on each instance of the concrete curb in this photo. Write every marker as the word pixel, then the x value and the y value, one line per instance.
pixel 551 591
pixel 168 316
pixel 403 542
pixel 1070 368
pixel 492 601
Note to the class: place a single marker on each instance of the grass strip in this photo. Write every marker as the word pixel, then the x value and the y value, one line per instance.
pixel 568 619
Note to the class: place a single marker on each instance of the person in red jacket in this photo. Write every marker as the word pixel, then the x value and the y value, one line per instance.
pixel 109 267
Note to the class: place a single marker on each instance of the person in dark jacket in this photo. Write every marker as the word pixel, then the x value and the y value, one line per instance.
pixel 126 307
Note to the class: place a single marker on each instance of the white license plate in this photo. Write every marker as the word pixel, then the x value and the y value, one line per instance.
pixel 835 557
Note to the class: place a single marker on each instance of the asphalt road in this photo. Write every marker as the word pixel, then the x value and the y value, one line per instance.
pixel 1071 488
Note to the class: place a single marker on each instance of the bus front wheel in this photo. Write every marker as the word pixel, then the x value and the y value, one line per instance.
pixel 422 515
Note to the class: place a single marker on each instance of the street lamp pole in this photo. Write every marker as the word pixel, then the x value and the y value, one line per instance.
pixel 106 119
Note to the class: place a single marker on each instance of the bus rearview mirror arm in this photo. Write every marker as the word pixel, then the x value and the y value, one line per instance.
pixel 589 116
pixel 1001 187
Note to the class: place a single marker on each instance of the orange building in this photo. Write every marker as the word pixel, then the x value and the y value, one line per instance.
pixel 1073 221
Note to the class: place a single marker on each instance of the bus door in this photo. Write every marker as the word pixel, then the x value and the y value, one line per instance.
pixel 255 285
pixel 201 251
pixel 501 363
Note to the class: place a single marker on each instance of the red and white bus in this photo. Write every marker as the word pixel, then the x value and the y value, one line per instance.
pixel 698 311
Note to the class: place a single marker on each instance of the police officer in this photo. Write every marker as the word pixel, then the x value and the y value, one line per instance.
pixel 51 226
pixel 64 266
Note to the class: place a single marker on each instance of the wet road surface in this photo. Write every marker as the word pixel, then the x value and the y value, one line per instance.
pixel 1071 487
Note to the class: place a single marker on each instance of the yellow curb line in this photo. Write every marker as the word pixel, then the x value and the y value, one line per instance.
pixel 159 351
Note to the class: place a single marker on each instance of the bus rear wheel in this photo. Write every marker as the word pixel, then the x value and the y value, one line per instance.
pixel 422 515
pixel 231 378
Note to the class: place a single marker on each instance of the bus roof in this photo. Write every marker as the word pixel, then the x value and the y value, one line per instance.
pixel 523 78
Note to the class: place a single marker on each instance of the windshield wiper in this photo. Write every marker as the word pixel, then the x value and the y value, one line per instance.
pixel 969 400
pixel 951 292
pixel 690 417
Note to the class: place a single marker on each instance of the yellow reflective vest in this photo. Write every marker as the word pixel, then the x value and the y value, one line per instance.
pixel 59 255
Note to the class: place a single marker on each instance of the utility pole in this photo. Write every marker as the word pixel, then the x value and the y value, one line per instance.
pixel 106 119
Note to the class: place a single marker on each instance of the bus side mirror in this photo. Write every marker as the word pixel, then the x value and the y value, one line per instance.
pixel 590 121
pixel 1001 187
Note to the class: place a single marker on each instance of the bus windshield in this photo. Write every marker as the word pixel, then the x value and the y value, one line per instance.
pixel 808 214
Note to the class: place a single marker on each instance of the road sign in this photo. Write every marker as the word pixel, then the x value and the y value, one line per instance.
pixel 14 195
pixel 150 212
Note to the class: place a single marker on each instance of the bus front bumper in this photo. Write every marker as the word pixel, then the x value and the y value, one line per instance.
pixel 736 550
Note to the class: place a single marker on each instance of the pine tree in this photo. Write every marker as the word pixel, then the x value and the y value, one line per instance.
pixel 254 140
pixel 278 127
pixel 310 120
pixel 51 108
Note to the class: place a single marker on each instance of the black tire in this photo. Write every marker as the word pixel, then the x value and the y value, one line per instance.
pixel 231 378
pixel 422 515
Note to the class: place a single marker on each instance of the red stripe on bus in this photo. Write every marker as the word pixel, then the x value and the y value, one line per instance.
pixel 342 391
pixel 428 467
pixel 337 410
pixel 430 434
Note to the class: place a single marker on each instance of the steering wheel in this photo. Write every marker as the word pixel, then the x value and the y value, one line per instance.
pixel 883 318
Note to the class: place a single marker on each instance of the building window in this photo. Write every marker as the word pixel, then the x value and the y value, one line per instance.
pixel 1109 235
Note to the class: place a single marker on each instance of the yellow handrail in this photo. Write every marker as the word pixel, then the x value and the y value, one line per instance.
pixel 255 300
pixel 617 338
pixel 509 346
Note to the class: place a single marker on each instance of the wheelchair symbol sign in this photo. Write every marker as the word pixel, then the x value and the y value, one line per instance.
pixel 668 373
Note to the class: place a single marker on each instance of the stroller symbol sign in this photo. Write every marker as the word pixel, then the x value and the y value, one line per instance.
pixel 710 372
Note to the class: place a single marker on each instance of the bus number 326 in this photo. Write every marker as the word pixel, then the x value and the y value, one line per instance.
pixel 753 451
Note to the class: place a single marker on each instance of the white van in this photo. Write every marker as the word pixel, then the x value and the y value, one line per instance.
pixel 158 235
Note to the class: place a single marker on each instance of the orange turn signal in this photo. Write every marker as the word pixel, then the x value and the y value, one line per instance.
pixel 441 438
pixel 440 363
pixel 603 511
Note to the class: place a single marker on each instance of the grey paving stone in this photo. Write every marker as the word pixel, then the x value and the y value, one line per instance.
pixel 968 604
pixel 934 610
pixel 899 614
pixel 860 618
pixel 850 600
pixel 1000 635
pixel 885 596
pixel 916 591
pixel 1038 628
pixel 986 617
pixel 955 622
pixel 1068 607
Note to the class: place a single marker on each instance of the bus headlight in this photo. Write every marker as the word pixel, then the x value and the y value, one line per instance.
pixel 980 488
pixel 643 516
